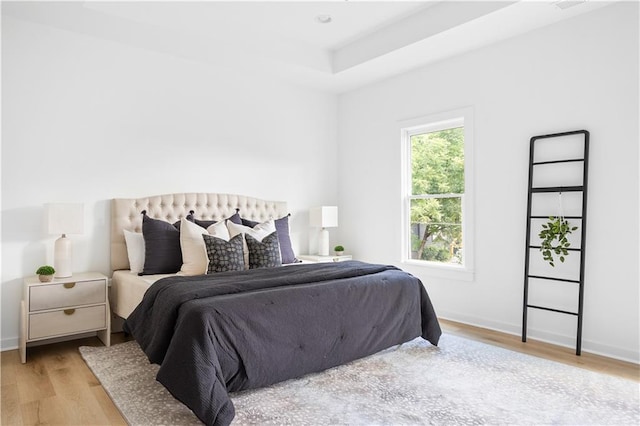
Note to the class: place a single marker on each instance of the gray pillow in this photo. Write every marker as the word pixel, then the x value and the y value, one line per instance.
pixel 224 255
pixel 162 246
pixel 284 239
pixel 265 253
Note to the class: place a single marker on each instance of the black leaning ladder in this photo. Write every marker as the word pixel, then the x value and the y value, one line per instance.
pixel 557 189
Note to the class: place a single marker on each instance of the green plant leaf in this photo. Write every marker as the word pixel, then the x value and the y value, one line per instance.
pixel 557 230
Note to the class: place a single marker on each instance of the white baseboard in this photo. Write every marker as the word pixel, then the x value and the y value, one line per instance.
pixel 596 348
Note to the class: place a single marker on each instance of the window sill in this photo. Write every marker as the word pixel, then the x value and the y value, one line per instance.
pixel 438 270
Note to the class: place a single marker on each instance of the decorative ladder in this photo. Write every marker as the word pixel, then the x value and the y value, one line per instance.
pixel 557 189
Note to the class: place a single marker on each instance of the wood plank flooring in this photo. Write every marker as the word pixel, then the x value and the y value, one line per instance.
pixel 56 387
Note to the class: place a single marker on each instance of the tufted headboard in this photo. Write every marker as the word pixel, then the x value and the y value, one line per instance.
pixel 125 214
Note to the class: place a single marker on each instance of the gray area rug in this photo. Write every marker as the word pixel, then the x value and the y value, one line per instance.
pixel 460 382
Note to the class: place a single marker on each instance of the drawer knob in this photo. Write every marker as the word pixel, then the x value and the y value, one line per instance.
pixel 69 311
pixel 69 285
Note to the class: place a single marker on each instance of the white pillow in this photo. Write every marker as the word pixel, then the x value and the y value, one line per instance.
pixel 194 252
pixel 258 232
pixel 135 250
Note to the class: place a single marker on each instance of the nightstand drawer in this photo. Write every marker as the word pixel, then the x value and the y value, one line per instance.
pixel 49 324
pixel 66 306
pixel 66 294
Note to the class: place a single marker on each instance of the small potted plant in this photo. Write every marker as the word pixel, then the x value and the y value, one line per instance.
pixel 45 273
pixel 339 250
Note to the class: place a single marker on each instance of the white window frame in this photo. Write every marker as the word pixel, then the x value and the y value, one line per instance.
pixel 427 124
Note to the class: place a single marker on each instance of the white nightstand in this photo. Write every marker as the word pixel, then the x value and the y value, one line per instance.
pixel 318 258
pixel 64 307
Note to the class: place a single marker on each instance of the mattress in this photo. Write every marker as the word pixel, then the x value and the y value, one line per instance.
pixel 127 289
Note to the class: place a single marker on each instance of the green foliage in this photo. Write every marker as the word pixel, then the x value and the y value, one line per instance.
pixel 436 253
pixel 437 161
pixel 45 270
pixel 554 239
pixel 338 248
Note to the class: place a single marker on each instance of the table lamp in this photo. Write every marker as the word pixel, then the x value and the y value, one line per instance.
pixel 324 217
pixel 64 218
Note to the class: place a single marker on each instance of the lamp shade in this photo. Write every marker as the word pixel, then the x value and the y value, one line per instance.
pixel 65 218
pixel 324 217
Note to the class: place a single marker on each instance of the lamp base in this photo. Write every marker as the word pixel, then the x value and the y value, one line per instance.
pixel 62 257
pixel 323 242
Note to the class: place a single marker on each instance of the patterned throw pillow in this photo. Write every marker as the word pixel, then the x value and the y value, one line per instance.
pixel 224 255
pixel 258 232
pixel 265 253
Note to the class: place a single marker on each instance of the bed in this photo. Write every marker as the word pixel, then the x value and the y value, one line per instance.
pixel 228 331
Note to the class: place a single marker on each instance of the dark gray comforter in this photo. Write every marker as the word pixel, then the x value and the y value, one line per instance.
pixel 226 332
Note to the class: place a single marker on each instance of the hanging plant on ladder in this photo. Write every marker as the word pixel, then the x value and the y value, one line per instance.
pixel 554 239
pixel 554 236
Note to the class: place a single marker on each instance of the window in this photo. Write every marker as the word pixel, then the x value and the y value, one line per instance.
pixel 437 184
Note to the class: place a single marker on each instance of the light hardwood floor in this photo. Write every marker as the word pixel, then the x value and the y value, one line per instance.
pixel 55 386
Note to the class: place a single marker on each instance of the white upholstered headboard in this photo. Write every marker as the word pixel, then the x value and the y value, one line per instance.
pixel 125 214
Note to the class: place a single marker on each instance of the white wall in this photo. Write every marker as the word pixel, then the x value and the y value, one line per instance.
pixel 581 73
pixel 86 120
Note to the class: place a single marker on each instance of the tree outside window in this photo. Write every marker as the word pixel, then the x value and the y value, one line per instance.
pixel 437 191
